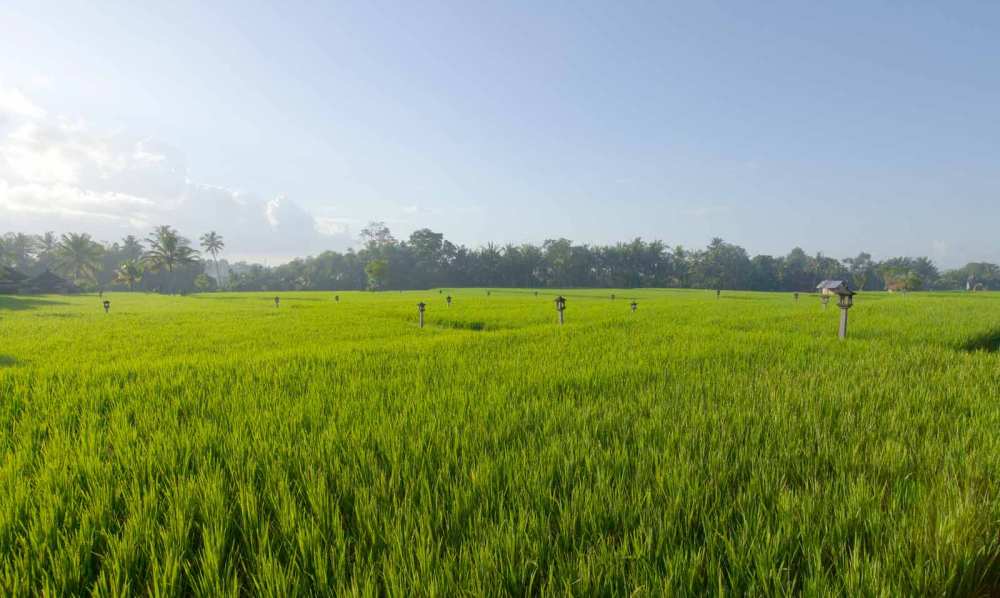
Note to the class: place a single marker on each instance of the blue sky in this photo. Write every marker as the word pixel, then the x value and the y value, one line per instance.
pixel 838 127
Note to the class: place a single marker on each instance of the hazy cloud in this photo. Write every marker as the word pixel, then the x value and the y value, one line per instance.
pixel 57 174
pixel 706 211
pixel 13 102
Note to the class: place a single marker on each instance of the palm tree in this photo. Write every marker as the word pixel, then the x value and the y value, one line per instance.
pixel 213 244
pixel 131 248
pixel 167 250
pixel 19 249
pixel 79 257
pixel 129 273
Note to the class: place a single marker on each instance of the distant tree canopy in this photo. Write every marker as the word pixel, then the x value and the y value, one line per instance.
pixel 166 262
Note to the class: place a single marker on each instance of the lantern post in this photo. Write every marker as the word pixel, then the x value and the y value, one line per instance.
pixel 107 306
pixel 420 312
pixel 561 307
pixel 845 302
pixel 634 305
pixel 277 301
pixel 448 300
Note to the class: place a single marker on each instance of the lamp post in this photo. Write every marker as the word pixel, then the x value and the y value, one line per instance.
pixel 448 300
pixel 561 307
pixel 845 302
pixel 420 311
pixel 107 306
pixel 634 305
pixel 277 301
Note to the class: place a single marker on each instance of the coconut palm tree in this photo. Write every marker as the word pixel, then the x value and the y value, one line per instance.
pixel 129 273
pixel 79 257
pixel 131 248
pixel 213 244
pixel 167 251
pixel 19 250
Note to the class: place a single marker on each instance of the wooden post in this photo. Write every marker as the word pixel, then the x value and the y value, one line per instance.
pixel 420 311
pixel 843 323
pixel 107 306
pixel 635 306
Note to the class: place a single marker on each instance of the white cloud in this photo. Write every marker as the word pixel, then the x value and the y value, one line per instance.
pixel 13 102
pixel 57 174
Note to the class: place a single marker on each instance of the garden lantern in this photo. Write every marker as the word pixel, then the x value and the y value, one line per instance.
pixel 277 301
pixel 845 300
pixel 560 307
pixel 107 306
pixel 448 299
pixel 634 305
pixel 336 298
pixel 420 311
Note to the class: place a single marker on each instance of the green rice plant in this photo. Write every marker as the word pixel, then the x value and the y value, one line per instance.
pixel 214 445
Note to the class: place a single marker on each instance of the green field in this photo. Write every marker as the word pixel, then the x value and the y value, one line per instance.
pixel 214 445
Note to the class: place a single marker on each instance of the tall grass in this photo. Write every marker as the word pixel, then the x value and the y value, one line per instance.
pixel 214 445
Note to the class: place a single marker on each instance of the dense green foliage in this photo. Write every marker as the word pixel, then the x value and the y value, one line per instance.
pixel 217 445
pixel 166 263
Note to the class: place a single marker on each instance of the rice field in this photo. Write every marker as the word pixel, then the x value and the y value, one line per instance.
pixel 215 445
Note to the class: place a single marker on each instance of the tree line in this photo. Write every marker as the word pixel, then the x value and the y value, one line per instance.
pixel 167 262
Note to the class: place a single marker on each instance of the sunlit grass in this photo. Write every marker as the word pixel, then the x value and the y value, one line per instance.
pixel 213 445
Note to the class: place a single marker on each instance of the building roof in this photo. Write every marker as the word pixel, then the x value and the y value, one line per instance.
pixel 840 287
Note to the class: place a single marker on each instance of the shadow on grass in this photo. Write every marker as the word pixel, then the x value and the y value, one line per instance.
pixel 19 303
pixel 988 342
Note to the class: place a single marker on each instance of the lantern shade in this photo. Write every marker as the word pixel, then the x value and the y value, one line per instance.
pixel 421 306
pixel 560 303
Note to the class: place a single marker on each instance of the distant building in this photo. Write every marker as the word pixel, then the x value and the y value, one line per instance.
pixel 48 283
pixel 833 287
pixel 894 285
